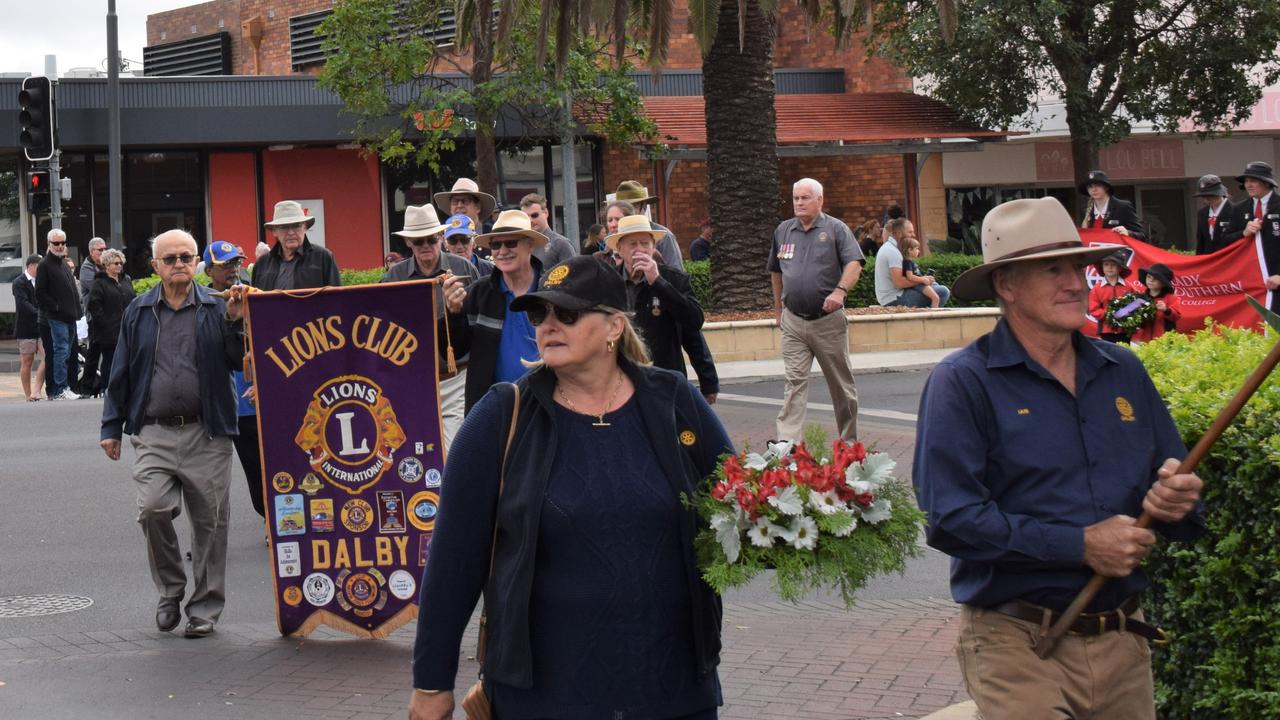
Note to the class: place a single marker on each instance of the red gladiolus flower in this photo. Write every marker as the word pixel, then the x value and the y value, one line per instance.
pixel 719 491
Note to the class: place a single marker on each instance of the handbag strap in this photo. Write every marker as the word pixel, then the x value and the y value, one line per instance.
pixel 493 543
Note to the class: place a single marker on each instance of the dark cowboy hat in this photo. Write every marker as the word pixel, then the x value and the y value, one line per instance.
pixel 1096 177
pixel 1258 170
pixel 1211 186
pixel 580 283
pixel 1119 257
pixel 1161 273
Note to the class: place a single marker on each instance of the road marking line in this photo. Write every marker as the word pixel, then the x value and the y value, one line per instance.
pixel 886 414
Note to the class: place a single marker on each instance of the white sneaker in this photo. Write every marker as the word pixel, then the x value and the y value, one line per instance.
pixel 68 395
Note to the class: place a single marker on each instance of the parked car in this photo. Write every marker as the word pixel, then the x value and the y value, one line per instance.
pixel 10 269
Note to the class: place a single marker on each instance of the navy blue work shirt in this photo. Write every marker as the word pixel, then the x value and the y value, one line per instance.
pixel 1010 467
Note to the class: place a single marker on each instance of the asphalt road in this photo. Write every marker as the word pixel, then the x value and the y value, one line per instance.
pixel 67 520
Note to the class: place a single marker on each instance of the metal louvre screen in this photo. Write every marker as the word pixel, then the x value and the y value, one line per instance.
pixel 205 55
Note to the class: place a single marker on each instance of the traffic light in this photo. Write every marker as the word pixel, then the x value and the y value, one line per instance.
pixel 38 191
pixel 36 118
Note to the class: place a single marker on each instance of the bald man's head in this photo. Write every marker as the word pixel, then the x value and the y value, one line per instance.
pixel 174 258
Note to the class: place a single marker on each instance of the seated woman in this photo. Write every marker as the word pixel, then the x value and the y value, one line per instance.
pixel 594 604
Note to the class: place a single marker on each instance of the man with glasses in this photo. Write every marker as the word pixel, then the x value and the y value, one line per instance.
pixel 90 269
pixel 172 392
pixel 59 300
pixel 459 236
pixel 497 337
pixel 558 248
pixel 294 263
pixel 422 233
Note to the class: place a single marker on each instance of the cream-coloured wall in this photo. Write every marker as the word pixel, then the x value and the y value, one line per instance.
pixel 933 201
pixel 1226 156
pixel 995 164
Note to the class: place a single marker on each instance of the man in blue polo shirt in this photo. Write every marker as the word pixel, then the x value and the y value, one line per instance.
pixel 497 337
pixel 1035 449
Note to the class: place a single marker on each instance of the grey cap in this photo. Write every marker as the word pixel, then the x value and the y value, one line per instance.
pixel 1211 186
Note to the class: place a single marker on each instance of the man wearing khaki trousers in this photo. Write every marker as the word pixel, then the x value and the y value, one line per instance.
pixel 813 265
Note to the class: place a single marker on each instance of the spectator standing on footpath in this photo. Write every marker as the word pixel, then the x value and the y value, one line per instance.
pixel 1216 222
pixel 595 240
pixel 459 239
pixel 813 265
pixel 27 330
pixel 1260 213
pixel 172 392
pixel 1035 448
pixel 294 263
pixel 423 233
pixel 639 201
pixel 1107 212
pixel 111 293
pixel 88 384
pixel 700 248
pixel 59 298
pixel 558 248
pixel 893 287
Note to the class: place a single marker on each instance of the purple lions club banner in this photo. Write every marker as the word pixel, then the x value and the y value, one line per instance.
pixel 349 426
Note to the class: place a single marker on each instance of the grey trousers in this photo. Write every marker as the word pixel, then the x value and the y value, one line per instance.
pixel 826 339
pixel 453 401
pixel 174 465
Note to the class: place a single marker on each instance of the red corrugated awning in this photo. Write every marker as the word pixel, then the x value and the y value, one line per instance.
pixel 807 119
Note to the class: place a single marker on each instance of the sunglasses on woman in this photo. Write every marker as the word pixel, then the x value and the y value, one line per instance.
pixel 538 313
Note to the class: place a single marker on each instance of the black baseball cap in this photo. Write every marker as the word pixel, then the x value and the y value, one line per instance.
pixel 579 283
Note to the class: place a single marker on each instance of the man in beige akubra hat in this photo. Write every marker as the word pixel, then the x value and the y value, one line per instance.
pixel 1036 447
pixel 294 263
pixel 424 234
pixel 630 198
pixel 465 198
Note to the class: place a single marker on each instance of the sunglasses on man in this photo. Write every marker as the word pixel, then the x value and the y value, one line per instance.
pixel 171 260
pixel 420 241
pixel 538 313
pixel 459 239
pixel 508 244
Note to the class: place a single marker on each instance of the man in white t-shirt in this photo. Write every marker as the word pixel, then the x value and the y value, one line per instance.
pixel 892 285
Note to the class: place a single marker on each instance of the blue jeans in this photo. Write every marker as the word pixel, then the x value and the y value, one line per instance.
pixel 914 297
pixel 62 333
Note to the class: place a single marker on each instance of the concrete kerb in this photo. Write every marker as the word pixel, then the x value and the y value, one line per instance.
pixel 863 364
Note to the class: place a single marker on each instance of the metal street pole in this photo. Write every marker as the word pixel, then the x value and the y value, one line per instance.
pixel 55 179
pixel 114 188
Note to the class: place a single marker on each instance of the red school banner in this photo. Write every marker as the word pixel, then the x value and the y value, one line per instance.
pixel 1208 286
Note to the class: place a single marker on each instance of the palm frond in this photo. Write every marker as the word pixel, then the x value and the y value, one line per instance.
pixel 659 30
pixel 507 16
pixel 703 20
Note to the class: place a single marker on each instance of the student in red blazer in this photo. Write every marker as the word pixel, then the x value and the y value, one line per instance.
pixel 1113 268
pixel 1159 282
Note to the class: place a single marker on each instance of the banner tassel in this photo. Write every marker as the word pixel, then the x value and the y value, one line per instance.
pixel 451 364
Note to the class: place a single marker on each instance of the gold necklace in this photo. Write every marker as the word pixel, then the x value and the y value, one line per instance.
pixel 600 415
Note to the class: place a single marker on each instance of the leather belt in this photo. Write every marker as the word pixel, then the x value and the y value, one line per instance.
pixel 444 371
pixel 1090 624
pixel 172 421
pixel 808 316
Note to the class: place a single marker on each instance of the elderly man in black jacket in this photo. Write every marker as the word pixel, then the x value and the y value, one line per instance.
pixel 59 298
pixel 294 263
pixel 667 313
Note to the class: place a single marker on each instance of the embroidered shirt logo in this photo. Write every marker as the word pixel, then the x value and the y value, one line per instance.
pixel 557 275
pixel 688 438
pixel 1125 409
pixel 1024 411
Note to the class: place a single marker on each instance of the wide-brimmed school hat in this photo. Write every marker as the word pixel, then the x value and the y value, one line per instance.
pixel 420 221
pixel 289 212
pixel 1259 171
pixel 579 283
pixel 1120 258
pixel 632 225
pixel 1022 230
pixel 634 193
pixel 1211 186
pixel 221 252
pixel 467 186
pixel 1161 272
pixel 1096 177
pixel 513 222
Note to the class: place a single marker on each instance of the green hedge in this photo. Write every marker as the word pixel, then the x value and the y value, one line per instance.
pixel 946 267
pixel 1220 596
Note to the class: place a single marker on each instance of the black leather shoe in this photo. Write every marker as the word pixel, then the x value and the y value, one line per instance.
pixel 168 614
pixel 198 628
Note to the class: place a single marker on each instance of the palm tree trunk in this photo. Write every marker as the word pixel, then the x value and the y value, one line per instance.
pixel 742 158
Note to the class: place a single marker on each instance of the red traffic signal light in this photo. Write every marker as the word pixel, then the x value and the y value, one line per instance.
pixel 37 191
pixel 36 118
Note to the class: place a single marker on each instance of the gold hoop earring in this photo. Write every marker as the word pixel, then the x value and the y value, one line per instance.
pixel 610 345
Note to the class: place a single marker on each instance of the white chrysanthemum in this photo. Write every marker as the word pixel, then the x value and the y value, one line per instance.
pixel 728 534
pixel 879 511
pixel 861 487
pixel 827 503
pixel 788 501
pixel 763 532
pixel 876 469
pixel 802 533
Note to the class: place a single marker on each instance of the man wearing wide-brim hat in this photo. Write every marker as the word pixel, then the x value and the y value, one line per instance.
pixel 666 310
pixel 1216 223
pixel 1260 213
pixel 496 336
pixel 1107 212
pixel 632 198
pixel 294 263
pixel 1036 447
pixel 465 198
pixel 424 234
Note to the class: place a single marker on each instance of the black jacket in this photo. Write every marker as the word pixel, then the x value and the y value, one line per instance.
pixel 27 324
pixel 486 313
pixel 315 268
pixel 687 441
pixel 56 290
pixel 1119 212
pixel 1227 230
pixel 107 301
pixel 1270 232
pixel 676 325
pixel 447 326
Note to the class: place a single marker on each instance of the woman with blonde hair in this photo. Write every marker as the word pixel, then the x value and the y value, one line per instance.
pixel 575 532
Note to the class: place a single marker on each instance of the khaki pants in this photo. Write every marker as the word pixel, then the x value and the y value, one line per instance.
pixel 453 401
pixel 1100 677
pixel 173 466
pixel 826 339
